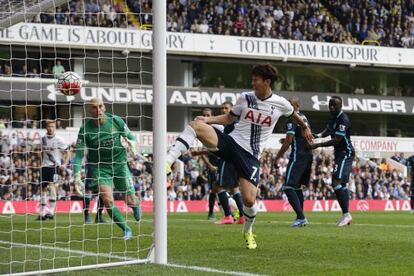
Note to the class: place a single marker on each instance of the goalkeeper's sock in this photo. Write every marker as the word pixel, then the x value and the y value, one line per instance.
pixel 239 202
pixel 86 204
pixel 182 144
pixel 118 218
pixel 137 212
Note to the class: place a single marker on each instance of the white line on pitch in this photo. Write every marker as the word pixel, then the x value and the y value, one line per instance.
pixel 212 270
pixel 310 223
pixel 94 254
pixel 66 250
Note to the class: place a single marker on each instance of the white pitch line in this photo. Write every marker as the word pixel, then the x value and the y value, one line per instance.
pixel 97 266
pixel 316 223
pixel 212 270
pixel 66 250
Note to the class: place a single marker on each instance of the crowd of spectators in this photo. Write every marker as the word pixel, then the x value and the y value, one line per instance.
pixel 94 13
pixel 20 172
pixel 391 23
pixel 20 164
pixel 37 71
pixel 387 23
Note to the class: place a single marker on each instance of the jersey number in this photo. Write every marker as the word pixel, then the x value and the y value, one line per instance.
pixel 254 174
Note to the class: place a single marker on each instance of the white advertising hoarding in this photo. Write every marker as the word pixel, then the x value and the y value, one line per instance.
pixel 206 45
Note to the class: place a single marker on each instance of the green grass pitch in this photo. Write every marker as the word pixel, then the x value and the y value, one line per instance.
pixel 377 243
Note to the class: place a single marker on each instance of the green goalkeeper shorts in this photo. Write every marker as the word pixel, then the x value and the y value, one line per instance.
pixel 117 175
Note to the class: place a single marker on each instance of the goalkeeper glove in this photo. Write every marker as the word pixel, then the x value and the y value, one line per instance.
pixel 133 146
pixel 78 184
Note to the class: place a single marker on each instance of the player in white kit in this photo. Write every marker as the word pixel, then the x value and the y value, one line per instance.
pixel 257 113
pixel 55 156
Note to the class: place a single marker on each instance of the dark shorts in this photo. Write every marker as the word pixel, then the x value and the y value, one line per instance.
pixel 298 171
pixel 227 176
pixel 48 175
pixel 342 167
pixel 246 165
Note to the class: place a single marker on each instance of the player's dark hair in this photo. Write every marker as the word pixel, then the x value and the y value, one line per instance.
pixel 267 72
pixel 337 98
pixel 227 102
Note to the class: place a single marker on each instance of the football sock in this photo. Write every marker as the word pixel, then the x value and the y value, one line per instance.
pixel 100 208
pixel 117 217
pixel 182 144
pixel 340 196
pixel 211 200
pixel 294 202
pixel 299 193
pixel 412 202
pixel 52 199
pixel 43 199
pixel 224 201
pixel 86 203
pixel 249 217
pixel 239 202
pixel 346 200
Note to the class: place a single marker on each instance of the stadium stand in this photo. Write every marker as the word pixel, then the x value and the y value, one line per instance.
pixel 366 182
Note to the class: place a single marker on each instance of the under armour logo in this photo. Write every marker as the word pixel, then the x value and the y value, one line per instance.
pixel 53 93
pixel 317 103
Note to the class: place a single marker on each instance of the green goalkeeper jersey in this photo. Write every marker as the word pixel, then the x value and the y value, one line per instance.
pixel 103 142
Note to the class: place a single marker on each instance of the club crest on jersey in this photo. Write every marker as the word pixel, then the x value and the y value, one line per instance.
pixel 273 109
pixel 258 118
pixel 342 127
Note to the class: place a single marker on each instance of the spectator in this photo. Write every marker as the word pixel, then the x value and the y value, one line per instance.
pixel 34 73
pixel 58 69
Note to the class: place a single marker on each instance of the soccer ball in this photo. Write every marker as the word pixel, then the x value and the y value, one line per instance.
pixel 69 83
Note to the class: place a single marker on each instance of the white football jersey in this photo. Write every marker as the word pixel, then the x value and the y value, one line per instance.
pixel 52 149
pixel 257 119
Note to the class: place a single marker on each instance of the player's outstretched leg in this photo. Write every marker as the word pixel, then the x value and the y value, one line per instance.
pixel 195 129
pixel 114 213
pixel 223 198
pixel 249 193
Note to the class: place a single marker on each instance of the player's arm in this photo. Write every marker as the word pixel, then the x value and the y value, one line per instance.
pixel 336 140
pixel 339 135
pixel 127 134
pixel 323 134
pixel 209 165
pixel 287 141
pixel 66 155
pixel 306 131
pixel 224 119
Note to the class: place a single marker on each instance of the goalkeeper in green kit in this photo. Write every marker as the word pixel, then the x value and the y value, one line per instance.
pixel 101 137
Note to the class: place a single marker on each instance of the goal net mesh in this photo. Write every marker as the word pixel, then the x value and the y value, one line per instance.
pixel 107 43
